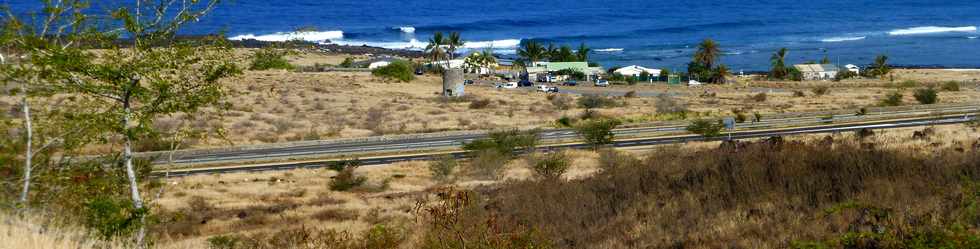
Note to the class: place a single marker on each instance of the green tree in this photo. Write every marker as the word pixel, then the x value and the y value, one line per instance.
pixel 825 60
pixel 453 43
pixel 26 69
pixel 270 58
pixel 435 47
pixel 129 87
pixel 564 54
pixel 531 51
pixel 583 52
pixel 720 74
pixel 550 166
pixel 926 96
pixel 778 61
pixel 880 67
pixel 597 132
pixel 705 127
pixel 708 53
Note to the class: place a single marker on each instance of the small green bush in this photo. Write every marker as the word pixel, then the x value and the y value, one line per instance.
pixel 892 99
pixel 270 58
pixel 707 128
pixel 926 96
pixel 597 132
pixel 550 166
pixel 399 70
pixel 564 121
pixel 951 86
pixel 444 167
pixel 223 242
pixel 908 84
pixel 820 90
pixel 347 63
pixel 346 180
pixel 596 101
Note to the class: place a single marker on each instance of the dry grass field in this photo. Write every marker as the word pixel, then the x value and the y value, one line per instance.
pixel 281 106
pixel 205 206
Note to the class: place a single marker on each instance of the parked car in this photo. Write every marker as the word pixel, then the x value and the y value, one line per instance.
pixel 525 83
pixel 508 85
pixel 602 83
pixel 570 83
pixel 467 82
pixel 547 89
pixel 419 71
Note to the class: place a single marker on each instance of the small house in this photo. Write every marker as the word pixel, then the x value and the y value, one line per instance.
pixel 818 71
pixel 635 71
pixel 375 62
pixel 853 68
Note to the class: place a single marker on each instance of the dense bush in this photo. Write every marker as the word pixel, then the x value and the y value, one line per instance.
pixel 597 132
pixel 270 58
pixel 781 193
pixel 926 96
pixel 399 70
pixel 892 99
pixel 951 86
pixel 597 101
pixel 820 90
pixel 705 127
pixel 444 167
pixel 346 180
pixel 551 165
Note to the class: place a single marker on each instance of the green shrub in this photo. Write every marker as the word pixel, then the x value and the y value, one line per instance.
pixel 346 180
pixel 551 165
pixel 399 70
pixel 908 84
pixel 597 132
pixel 223 242
pixel 270 58
pixel 505 142
pixel 596 101
pixel 820 90
pixel 444 167
pixel 707 128
pixel 564 121
pixel 348 62
pixel 892 99
pixel 610 159
pixel 951 86
pixel 926 96
pixel 111 217
pixel 843 75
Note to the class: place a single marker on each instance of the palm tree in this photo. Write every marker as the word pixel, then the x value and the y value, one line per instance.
pixel 488 60
pixel 778 60
pixel 880 66
pixel 454 42
pixel 531 52
pixel 553 52
pixel 708 52
pixel 435 46
pixel 564 54
pixel 583 52
pixel 721 74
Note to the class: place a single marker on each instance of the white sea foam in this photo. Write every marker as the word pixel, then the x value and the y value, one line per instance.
pixel 932 30
pixel 312 36
pixel 407 29
pixel 412 44
pixel 971 37
pixel 844 39
pixel 508 43
pixel 609 50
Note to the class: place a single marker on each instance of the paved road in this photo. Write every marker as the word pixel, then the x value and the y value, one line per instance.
pixel 546 135
pixel 625 143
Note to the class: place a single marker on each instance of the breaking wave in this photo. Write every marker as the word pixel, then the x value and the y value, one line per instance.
pixel 931 30
pixel 609 50
pixel 843 39
pixel 311 36
pixel 407 29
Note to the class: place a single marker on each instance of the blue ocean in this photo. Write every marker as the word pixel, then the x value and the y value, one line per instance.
pixel 661 34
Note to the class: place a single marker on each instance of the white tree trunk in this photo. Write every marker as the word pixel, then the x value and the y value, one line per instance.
pixel 131 174
pixel 28 154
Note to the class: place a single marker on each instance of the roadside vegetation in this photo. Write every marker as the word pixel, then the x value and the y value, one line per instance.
pixel 397 70
pixel 270 58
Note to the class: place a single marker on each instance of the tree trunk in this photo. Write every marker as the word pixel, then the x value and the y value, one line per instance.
pixel 28 154
pixel 131 173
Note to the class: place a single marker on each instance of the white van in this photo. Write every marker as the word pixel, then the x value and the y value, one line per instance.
pixel 508 85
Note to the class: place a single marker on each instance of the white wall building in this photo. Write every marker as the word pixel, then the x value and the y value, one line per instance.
pixel 636 71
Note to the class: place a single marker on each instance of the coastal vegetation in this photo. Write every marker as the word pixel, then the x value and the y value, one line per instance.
pixel 703 66
pixel 270 58
pixel 532 51
pixel 399 70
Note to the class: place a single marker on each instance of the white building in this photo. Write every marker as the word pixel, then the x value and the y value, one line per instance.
pixel 818 71
pixel 853 68
pixel 636 71
pixel 378 64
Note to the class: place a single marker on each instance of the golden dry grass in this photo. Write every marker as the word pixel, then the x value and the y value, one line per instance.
pixel 306 201
pixel 33 232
